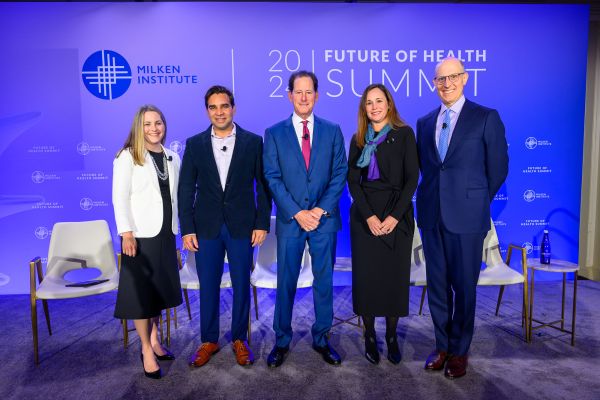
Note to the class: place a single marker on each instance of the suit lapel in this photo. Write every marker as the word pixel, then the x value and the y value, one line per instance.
pixel 171 169
pixel 209 156
pixel 430 129
pixel 461 128
pixel 290 134
pixel 151 171
pixel 238 150
pixel 317 144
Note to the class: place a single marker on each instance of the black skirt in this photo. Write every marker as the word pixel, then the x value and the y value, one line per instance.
pixel 380 265
pixel 149 282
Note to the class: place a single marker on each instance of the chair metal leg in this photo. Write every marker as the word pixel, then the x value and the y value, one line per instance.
pixel 531 303
pixel 562 304
pixel 34 330
pixel 422 300
pixel 168 316
pixel 249 328
pixel 35 264
pixel 160 328
pixel 574 310
pixel 187 303
pixel 125 333
pixel 499 299
pixel 47 315
pixel 255 301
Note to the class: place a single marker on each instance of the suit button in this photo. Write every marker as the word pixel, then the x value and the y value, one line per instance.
pixel 443 168
pixel 306 199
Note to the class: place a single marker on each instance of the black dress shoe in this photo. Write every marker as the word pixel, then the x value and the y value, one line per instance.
pixel 152 375
pixel 276 356
pixel 328 353
pixel 393 351
pixel 371 350
pixel 168 356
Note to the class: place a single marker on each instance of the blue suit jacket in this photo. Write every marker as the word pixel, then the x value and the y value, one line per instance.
pixel 293 187
pixel 459 190
pixel 204 206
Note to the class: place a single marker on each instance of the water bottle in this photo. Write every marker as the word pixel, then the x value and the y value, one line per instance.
pixel 545 249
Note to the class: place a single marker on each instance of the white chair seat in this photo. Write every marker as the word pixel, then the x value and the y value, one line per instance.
pixel 499 274
pixel 418 274
pixel 343 264
pixel 53 287
pixel 265 276
pixel 188 275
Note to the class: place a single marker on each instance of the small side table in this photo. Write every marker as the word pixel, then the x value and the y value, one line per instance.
pixel 563 267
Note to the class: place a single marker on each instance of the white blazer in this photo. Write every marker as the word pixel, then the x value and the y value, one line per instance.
pixel 136 195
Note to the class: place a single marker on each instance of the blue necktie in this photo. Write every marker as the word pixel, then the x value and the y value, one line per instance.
pixel 444 135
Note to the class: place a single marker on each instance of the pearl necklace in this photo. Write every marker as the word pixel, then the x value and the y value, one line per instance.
pixel 163 176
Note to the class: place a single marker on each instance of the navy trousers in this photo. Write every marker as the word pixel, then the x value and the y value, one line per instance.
pixel 453 263
pixel 321 247
pixel 209 264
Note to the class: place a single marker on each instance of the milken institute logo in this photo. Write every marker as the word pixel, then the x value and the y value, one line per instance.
pixel 106 74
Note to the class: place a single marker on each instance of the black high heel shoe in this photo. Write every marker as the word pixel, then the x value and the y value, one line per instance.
pixel 153 375
pixel 371 350
pixel 168 356
pixel 393 351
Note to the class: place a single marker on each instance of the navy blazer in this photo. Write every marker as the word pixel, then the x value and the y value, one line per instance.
pixel 459 190
pixel 204 206
pixel 293 187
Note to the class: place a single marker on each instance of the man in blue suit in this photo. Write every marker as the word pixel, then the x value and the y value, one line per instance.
pixel 464 161
pixel 224 207
pixel 305 167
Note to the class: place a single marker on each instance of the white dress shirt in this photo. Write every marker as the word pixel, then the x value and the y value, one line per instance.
pixel 299 127
pixel 223 150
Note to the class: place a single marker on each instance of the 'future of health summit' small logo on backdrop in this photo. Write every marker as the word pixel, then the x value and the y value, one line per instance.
pixel 106 74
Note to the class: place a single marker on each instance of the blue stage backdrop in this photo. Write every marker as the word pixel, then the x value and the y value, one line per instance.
pixel 73 75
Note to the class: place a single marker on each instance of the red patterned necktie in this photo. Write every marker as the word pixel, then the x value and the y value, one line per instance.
pixel 305 143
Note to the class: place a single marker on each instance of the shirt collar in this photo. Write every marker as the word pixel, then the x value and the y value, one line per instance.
pixel 456 107
pixel 213 135
pixel 296 120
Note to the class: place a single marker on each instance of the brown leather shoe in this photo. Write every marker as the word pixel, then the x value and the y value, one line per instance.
pixel 436 360
pixel 243 354
pixel 204 353
pixel 456 367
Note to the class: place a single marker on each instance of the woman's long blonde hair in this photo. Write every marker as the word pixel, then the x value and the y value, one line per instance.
pixel 363 120
pixel 135 143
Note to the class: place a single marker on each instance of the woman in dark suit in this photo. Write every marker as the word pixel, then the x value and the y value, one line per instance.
pixel 145 178
pixel 383 171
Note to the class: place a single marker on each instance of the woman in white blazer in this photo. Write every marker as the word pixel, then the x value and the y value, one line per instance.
pixel 145 178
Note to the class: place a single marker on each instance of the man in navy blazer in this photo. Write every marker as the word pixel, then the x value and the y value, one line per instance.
pixel 464 161
pixel 305 167
pixel 224 207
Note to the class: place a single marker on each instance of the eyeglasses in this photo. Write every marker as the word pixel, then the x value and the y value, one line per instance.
pixel 440 80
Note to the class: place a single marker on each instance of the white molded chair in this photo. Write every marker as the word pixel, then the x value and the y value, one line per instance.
pixel 73 245
pixel 498 272
pixel 188 276
pixel 264 274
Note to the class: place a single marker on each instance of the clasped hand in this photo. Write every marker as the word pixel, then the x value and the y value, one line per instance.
pixel 309 219
pixel 379 228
